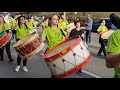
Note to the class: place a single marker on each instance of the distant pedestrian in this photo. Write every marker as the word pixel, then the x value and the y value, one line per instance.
pixel 88 24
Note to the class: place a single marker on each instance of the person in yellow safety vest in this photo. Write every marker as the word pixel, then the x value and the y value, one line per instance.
pixel 62 22
pixel 101 29
pixel 22 30
pixel 13 23
pixel 30 23
pixel 32 18
pixel 5 27
pixel 46 23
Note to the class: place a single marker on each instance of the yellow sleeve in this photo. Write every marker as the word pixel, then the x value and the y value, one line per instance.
pixel 99 29
pixel 7 26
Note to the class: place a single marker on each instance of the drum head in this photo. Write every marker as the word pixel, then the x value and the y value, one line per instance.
pixel 26 39
pixel 70 27
pixel 62 46
pixel 106 34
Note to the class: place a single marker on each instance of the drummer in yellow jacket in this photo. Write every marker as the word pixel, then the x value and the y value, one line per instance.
pixel 22 30
pixel 4 27
pixel 53 34
pixel 63 22
pixel 13 22
pixel 101 29
pixel 30 23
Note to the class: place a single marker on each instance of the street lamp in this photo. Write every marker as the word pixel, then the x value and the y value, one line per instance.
pixel 75 14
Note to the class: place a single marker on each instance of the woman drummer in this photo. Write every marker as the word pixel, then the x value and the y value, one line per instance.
pixel 5 27
pixel 53 34
pixel 21 31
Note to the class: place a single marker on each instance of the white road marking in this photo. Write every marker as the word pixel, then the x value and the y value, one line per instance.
pixel 91 74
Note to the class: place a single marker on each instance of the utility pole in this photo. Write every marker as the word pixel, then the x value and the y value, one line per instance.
pixel 65 15
pixel 75 14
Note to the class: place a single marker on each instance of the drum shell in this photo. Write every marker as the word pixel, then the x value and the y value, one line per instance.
pixel 105 35
pixel 4 39
pixel 30 47
pixel 58 63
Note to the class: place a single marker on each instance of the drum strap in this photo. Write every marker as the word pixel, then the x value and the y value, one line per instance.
pixel 62 33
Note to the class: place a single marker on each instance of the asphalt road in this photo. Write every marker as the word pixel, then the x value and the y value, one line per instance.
pixel 38 68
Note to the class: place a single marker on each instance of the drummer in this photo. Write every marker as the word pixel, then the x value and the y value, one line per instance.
pixel 78 31
pixel 30 23
pixel 113 47
pixel 102 28
pixel 53 34
pixel 5 27
pixel 63 22
pixel 21 31
pixel 13 21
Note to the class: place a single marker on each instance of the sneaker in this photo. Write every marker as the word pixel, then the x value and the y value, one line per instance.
pixel 17 68
pixel 25 69
pixel 11 60
pixel 80 71
pixel 42 54
pixel 1 59
pixel 99 54
pixel 11 41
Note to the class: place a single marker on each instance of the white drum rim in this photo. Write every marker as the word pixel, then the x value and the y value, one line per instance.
pixel 106 32
pixel 32 38
pixel 63 52
pixel 74 69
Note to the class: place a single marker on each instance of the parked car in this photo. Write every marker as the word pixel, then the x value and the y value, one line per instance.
pixel 97 22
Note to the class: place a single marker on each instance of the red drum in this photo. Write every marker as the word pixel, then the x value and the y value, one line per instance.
pixel 67 57
pixel 4 39
pixel 28 46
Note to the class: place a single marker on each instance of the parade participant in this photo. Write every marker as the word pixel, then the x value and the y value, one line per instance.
pixel 77 31
pixel 53 34
pixel 32 18
pixel 88 24
pixel 101 29
pixel 45 22
pixel 5 27
pixel 21 31
pixel 30 23
pixel 63 22
pixel 13 22
pixel 113 47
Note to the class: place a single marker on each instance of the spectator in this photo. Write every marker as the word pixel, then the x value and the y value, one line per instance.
pixel 88 24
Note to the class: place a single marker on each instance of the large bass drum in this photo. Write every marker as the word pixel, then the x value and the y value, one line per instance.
pixel 67 57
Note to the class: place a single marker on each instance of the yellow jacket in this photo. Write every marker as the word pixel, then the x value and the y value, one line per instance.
pixel 102 29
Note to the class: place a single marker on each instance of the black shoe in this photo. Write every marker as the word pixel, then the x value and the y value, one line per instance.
pixel 1 59
pixel 99 54
pixel 105 56
pixel 53 77
pixel 80 71
pixel 11 60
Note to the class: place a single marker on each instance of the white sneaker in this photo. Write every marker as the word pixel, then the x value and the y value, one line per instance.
pixel 17 68
pixel 11 41
pixel 25 69
pixel 42 54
